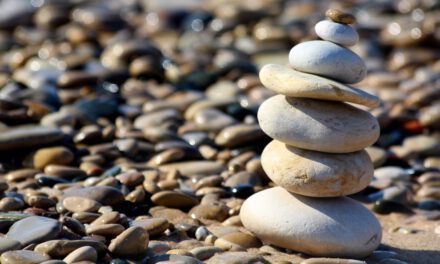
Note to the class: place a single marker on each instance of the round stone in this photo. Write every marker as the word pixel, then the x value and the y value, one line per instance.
pixel 337 33
pixel 339 16
pixel 329 60
pixel 324 126
pixel 321 227
pixel 316 174
pixel 287 81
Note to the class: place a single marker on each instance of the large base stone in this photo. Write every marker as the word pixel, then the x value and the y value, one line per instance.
pixel 331 227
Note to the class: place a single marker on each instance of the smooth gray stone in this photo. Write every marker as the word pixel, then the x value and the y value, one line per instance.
pixel 328 59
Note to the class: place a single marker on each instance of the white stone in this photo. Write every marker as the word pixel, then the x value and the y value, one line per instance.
pixel 328 59
pixel 316 174
pixel 337 33
pixel 284 80
pixel 332 227
pixel 324 126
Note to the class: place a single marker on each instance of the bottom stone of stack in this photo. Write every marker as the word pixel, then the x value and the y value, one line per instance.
pixel 330 227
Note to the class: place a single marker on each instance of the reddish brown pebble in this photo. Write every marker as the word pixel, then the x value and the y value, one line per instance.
pixel 340 17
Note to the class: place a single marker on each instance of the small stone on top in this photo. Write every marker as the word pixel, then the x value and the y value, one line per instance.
pixel 339 16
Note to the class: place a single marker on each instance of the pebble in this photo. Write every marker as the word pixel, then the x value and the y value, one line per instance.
pixel 23 257
pixel 194 167
pixel 321 227
pixel 154 226
pixel 243 178
pixel 61 248
pixel 206 252
pixel 77 204
pixel 107 230
pixel 10 204
pixel 85 253
pixel 52 155
pixel 236 135
pixel 131 243
pixel 337 127
pixel 337 33
pixel 65 172
pixel 316 174
pixel 392 173
pixel 174 199
pixel 7 244
pixel 339 16
pixel 20 175
pixel 209 212
pixel 327 59
pixel 237 241
pixel 237 257
pixel 174 216
pixel 34 229
pixel 377 155
pixel 28 137
pixel 289 82
pixel 102 194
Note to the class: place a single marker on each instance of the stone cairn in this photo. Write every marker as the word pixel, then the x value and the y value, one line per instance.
pixel 317 156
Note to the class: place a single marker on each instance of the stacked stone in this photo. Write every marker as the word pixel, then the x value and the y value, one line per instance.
pixel 317 156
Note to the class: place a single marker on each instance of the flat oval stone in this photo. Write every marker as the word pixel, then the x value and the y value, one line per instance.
pixel 237 241
pixel 328 59
pixel 321 227
pixel 108 230
pixel 23 257
pixel 61 248
pixel 287 81
pixel 103 194
pixel 189 168
pixel 34 229
pixel 237 135
pixel 80 204
pixel 324 126
pixel 28 137
pixel 316 174
pixel 337 33
pixel 174 199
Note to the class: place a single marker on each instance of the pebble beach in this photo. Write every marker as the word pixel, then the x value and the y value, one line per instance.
pixel 219 132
